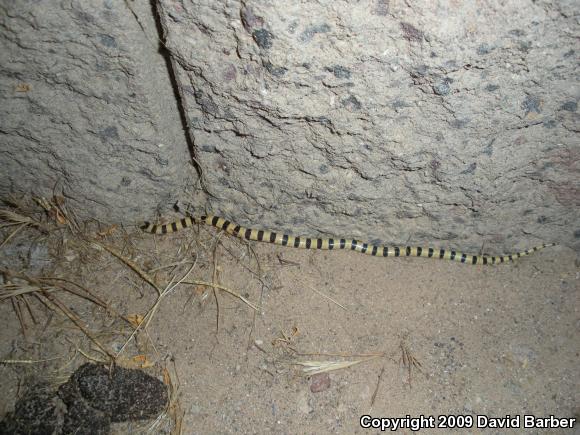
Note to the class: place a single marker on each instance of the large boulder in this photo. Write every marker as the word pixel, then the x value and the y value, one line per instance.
pixel 449 123
pixel 87 109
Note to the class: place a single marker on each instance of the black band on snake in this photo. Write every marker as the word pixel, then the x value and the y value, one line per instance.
pixel 331 243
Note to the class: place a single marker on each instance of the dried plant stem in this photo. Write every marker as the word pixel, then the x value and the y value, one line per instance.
pixel 315 367
pixel 339 354
pixel 409 362
pixel 75 319
pixel 18 311
pixel 88 294
pixel 131 264
pixel 13 233
pixel 149 316
pixel 227 290
pixel 214 279
pixel 27 361
pixel 379 379
pixel 326 297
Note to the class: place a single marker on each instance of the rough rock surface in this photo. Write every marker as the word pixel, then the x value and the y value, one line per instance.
pixel 87 108
pixel 38 411
pixel 120 394
pixel 94 397
pixel 450 122
pixel 453 123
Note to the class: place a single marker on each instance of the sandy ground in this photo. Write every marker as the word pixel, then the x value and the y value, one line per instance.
pixel 486 341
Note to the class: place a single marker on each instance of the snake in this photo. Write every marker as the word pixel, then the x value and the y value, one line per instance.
pixel 334 243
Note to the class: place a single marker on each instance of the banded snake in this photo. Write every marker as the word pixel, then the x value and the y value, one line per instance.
pixel 331 243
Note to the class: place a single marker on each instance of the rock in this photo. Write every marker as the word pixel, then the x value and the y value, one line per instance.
pixel 94 397
pixel 319 382
pixel 324 118
pixel 86 103
pixel 340 119
pixel 38 412
pixel 123 394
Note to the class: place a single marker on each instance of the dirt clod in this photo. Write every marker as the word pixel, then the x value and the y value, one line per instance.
pixel 93 398
pixel 319 382
pixel 123 394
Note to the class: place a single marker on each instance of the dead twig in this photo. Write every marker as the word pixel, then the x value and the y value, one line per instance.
pixel 409 361
pixel 88 294
pixel 149 316
pixel 374 396
pixel 11 219
pixel 326 297
pixel 225 289
pixel 28 361
pixel 214 280
pixel 16 308
pixel 129 263
pixel 75 319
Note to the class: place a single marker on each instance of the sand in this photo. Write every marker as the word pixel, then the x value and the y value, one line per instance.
pixel 452 339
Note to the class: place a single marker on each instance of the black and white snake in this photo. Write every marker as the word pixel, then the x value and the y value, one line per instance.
pixel 331 243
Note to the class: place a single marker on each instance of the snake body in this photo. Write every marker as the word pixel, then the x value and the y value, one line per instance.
pixel 331 243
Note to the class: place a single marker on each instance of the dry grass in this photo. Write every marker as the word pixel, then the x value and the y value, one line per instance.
pixel 409 362
pixel 315 367
pixel 86 252
pixel 82 250
pixel 12 219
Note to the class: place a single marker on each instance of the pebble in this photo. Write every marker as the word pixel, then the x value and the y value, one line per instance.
pixel 319 382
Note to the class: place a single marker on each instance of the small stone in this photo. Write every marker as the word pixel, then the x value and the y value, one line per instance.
pixel 319 382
